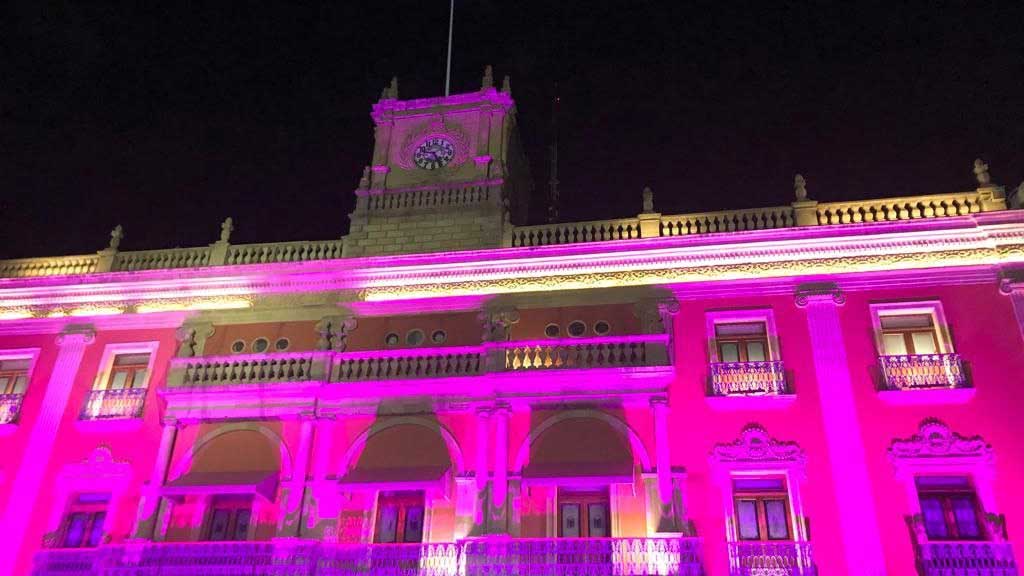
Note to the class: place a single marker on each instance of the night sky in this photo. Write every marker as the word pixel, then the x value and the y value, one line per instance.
pixel 168 119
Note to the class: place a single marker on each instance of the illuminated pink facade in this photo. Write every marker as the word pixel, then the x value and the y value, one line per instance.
pixel 817 388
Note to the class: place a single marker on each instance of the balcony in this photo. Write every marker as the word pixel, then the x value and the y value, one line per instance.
pixel 966 557
pixel 123 404
pixel 490 557
pixel 933 378
pixel 10 408
pixel 771 558
pixel 614 352
pixel 748 378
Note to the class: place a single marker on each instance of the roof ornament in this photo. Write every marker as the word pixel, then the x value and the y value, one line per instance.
pixel 364 181
pixel 226 228
pixel 506 85
pixel 116 235
pixel 648 199
pixel 981 172
pixel 800 187
pixel 488 79
pixel 390 92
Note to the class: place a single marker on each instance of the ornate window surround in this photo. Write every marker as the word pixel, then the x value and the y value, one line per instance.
pixel 935 449
pixel 110 351
pixel 930 307
pixel 756 454
pixel 98 472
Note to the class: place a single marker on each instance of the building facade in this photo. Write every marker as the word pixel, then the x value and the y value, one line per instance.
pixel 816 388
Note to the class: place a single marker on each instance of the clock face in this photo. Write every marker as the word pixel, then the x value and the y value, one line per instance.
pixel 435 152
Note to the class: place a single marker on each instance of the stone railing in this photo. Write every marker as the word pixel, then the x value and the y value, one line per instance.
pixel 479 557
pixel 60 266
pixel 963 558
pixel 575 232
pixel 910 208
pixel 434 198
pixel 612 352
pixel 742 378
pixel 774 558
pixel 922 371
pixel 162 259
pixel 114 404
pixel 407 364
pixel 10 407
pixel 727 221
pixel 284 252
pixel 213 371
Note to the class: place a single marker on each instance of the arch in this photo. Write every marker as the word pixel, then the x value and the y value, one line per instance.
pixel 202 443
pixel 454 451
pixel 618 425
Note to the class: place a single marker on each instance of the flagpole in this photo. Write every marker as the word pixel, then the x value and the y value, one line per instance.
pixel 448 69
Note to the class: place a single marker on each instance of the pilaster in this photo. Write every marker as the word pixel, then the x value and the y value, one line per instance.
pixel 150 503
pixel 857 517
pixel 1012 285
pixel 291 519
pixel 25 486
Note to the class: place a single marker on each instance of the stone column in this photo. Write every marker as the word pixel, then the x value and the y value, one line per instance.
pixel 1013 286
pixel 858 521
pixel 663 459
pixel 320 511
pixel 483 417
pixel 500 487
pixel 291 525
pixel 25 485
pixel 150 503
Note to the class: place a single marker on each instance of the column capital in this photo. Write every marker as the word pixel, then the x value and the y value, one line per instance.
pixel 1012 281
pixel 818 292
pixel 82 334
pixel 659 402
pixel 502 410
pixel 484 411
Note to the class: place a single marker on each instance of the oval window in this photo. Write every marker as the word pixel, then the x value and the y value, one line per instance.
pixel 577 329
pixel 601 328
pixel 391 339
pixel 439 337
pixel 260 345
pixel 238 346
pixel 282 344
pixel 552 330
pixel 414 337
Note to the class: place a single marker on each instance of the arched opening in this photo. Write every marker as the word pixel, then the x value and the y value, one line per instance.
pixel 579 447
pixel 406 453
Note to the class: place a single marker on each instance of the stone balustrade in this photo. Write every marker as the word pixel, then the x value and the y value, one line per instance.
pixel 284 252
pixel 922 371
pixel 10 407
pixel 744 378
pixel 727 221
pixel 757 558
pixel 575 232
pixel 966 558
pixel 60 266
pixel 407 364
pixel 114 404
pixel 162 259
pixel 432 198
pixel 912 208
pixel 477 557
pixel 615 352
pixel 213 371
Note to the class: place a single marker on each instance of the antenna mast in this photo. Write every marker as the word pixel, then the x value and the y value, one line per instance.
pixel 448 68
pixel 553 181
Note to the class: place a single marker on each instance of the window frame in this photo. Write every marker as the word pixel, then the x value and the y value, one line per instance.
pixel 945 495
pixel 93 512
pixel 30 354
pixel 742 316
pixel 405 500
pixel 234 505
pixel 933 308
pixel 583 499
pixel 760 499
pixel 110 354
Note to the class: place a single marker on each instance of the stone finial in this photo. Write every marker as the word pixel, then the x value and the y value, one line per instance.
pixel 115 237
pixel 364 181
pixel 488 79
pixel 390 92
pixel 226 227
pixel 506 85
pixel 981 172
pixel 800 187
pixel 648 199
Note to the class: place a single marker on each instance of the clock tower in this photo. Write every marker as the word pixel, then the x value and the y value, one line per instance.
pixel 447 173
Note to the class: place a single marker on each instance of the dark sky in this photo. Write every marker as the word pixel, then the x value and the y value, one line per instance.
pixel 168 119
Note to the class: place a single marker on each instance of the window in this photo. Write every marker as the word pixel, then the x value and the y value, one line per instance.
pixel 601 328
pixel 439 337
pixel 762 509
pixel 741 342
pixel 230 517
pixel 400 517
pixel 238 346
pixel 129 371
pixel 391 339
pixel 282 344
pixel 552 330
pixel 260 345
pixel 83 524
pixel 14 375
pixel 908 334
pixel 577 328
pixel 414 337
pixel 583 513
pixel 949 508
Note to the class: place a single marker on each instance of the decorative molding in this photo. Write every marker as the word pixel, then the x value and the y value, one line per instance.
pixel 818 292
pixel 755 446
pixel 76 334
pixel 935 440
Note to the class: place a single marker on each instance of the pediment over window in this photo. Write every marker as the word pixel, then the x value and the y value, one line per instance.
pixel 755 446
pixel 936 441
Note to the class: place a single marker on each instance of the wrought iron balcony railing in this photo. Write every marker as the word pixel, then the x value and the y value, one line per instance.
pixel 125 403
pixel 489 556
pixel 747 378
pixel 923 371
pixel 963 558
pixel 774 558
pixel 10 407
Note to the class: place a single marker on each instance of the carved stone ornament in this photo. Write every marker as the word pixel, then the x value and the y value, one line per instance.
pixel 488 79
pixel 506 87
pixel 935 440
pixel 116 235
pixel 800 187
pixel 497 324
pixel 981 172
pixel 818 291
pixel 648 195
pixel 99 463
pixel 226 228
pixel 334 332
pixel 655 314
pixel 755 445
